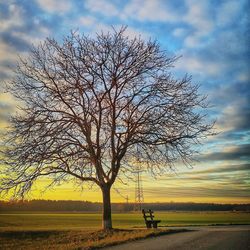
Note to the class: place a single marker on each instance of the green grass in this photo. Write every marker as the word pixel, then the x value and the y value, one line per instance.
pixel 66 221
pixel 203 218
pixel 83 230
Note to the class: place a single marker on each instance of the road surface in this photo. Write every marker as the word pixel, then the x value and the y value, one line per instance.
pixel 212 237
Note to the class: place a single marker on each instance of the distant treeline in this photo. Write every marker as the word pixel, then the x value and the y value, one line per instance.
pixel 82 206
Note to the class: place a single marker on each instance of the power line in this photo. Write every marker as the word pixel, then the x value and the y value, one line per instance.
pixel 123 196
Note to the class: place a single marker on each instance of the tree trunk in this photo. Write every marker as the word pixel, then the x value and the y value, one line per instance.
pixel 106 213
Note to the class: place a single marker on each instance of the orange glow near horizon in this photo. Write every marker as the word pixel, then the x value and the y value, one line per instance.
pixel 154 194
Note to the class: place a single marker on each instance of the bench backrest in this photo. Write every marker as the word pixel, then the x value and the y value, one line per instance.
pixel 148 214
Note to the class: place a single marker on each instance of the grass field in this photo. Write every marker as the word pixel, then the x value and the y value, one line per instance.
pixel 69 221
pixel 82 230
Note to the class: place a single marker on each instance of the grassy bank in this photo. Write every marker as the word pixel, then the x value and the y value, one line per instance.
pixel 75 239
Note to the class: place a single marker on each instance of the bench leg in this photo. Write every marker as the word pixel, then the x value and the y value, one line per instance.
pixel 155 224
pixel 148 224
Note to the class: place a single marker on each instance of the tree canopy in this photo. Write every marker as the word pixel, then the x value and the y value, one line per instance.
pixel 91 106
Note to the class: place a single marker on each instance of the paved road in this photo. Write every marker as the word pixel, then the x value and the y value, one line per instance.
pixel 221 238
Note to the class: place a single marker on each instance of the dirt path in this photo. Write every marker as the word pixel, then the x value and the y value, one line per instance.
pixel 228 238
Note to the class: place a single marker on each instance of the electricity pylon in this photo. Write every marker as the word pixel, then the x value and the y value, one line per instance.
pixel 139 199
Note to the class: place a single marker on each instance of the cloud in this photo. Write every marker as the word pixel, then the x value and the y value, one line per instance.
pixel 233 136
pixel 237 153
pixel 133 32
pixel 194 64
pixel 192 192
pixel 180 32
pixel 192 16
pixel 8 57
pixel 227 12
pixel 227 182
pixel 95 26
pixel 103 7
pixel 218 57
pixel 55 6
pixel 235 118
pixel 219 181
pixel 6 109
pixel 243 76
pixel 19 28
pixel 209 47
pixel 199 17
pixel 220 169
pixel 233 100
pixel 14 18
pixel 141 10
pixel 147 10
pixel 87 21
pixel 14 41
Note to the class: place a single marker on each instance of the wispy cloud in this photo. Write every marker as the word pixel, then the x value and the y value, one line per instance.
pixel 15 17
pixel 199 18
pixel 150 11
pixel 103 7
pixel 228 12
pixel 239 152
pixel 54 6
pixel 198 192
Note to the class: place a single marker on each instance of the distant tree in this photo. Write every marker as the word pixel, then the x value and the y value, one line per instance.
pixel 90 106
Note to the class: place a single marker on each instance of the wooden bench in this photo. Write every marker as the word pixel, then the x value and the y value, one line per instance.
pixel 148 216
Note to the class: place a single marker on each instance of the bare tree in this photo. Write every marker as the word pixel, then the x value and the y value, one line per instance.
pixel 89 106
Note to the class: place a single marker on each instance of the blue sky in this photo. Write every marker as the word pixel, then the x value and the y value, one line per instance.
pixel 212 38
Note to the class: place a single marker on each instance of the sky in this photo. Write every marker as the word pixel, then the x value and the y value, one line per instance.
pixel 212 38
